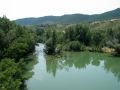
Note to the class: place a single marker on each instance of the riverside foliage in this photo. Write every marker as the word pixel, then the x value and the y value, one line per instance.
pixel 16 44
pixel 79 37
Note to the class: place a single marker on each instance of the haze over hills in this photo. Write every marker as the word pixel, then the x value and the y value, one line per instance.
pixel 71 18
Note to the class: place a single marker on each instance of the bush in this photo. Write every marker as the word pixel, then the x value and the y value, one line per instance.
pixel 117 50
pixel 49 47
pixel 74 46
pixel 50 44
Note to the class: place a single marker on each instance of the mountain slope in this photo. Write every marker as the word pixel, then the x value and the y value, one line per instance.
pixel 71 18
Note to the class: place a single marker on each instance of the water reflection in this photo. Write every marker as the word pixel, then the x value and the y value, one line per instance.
pixel 113 65
pixel 80 60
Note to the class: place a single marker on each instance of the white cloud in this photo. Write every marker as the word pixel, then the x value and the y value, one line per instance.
pixel 14 9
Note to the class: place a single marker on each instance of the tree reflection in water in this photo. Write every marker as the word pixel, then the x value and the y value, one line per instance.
pixel 80 60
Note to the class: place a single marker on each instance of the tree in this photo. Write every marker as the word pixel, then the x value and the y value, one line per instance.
pixel 51 44
pixel 98 38
pixel 83 34
pixel 8 70
pixel 16 42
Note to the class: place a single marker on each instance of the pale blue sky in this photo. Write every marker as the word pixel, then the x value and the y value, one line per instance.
pixel 15 9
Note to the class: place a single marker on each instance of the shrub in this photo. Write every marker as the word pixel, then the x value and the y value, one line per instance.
pixel 74 46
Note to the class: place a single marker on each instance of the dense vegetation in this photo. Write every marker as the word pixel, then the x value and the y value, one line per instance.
pixel 16 45
pixel 70 19
pixel 79 37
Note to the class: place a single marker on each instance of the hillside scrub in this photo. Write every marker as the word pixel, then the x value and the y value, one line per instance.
pixel 78 37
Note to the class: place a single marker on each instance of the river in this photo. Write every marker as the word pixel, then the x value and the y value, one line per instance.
pixel 75 71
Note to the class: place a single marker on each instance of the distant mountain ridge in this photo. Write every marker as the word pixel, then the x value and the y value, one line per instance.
pixel 71 18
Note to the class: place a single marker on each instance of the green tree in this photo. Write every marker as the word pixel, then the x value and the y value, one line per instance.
pixel 51 44
pixel 98 39
pixel 8 70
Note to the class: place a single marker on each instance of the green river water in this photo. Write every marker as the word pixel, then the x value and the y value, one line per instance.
pixel 75 71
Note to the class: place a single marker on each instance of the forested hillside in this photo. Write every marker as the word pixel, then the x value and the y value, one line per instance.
pixel 70 19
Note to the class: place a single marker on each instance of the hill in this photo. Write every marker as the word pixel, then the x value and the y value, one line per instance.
pixel 71 18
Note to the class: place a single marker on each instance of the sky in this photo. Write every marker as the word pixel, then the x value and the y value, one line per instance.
pixel 15 9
